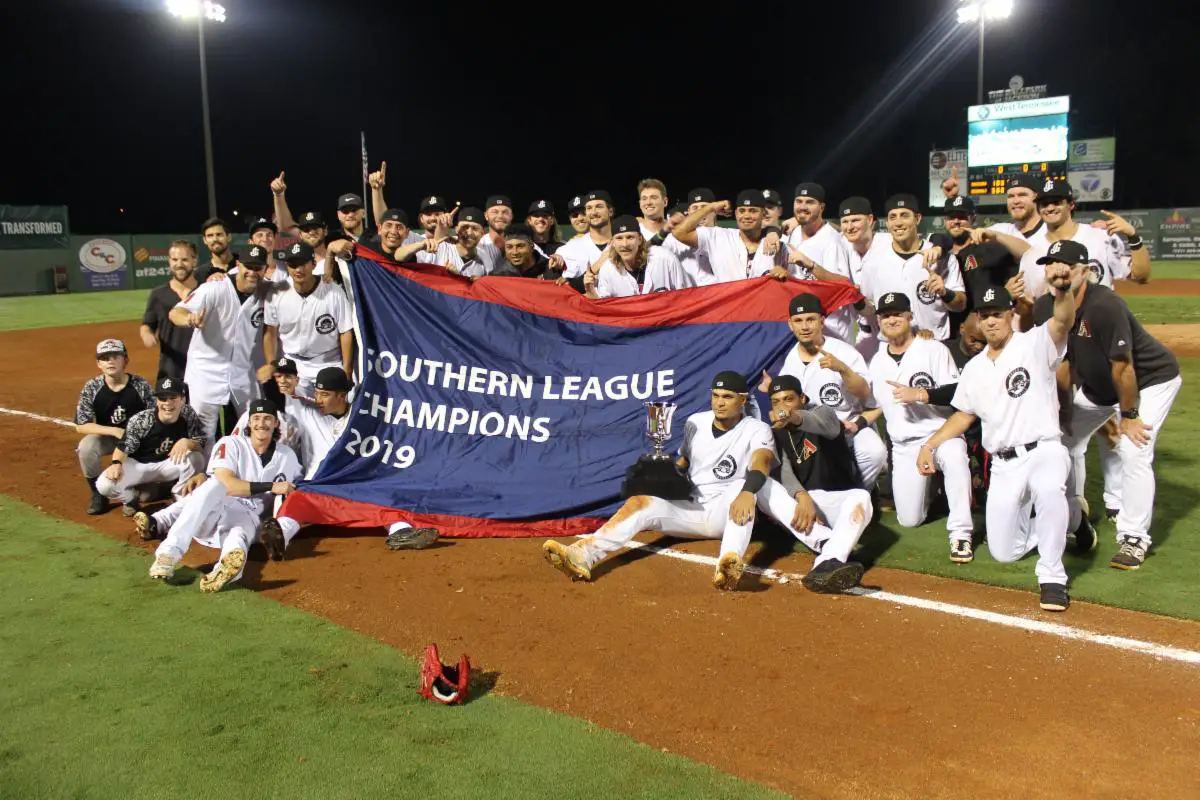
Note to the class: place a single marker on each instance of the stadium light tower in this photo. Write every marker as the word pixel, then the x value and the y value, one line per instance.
pixel 978 11
pixel 202 11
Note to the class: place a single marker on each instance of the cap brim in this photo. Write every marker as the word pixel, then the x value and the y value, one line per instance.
pixel 1053 260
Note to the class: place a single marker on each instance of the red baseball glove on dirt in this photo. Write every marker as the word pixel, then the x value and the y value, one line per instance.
pixel 445 684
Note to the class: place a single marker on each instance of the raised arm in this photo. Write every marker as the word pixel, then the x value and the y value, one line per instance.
pixel 283 215
pixel 685 231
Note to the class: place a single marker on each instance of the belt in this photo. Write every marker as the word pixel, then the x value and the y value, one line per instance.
pixel 1009 453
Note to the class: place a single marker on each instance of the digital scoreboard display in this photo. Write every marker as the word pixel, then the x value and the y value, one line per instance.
pixel 1023 137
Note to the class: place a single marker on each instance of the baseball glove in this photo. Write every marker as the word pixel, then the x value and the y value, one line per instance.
pixel 442 683
pixel 412 538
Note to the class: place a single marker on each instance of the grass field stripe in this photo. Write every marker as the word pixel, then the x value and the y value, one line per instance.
pixel 1179 654
pixel 38 417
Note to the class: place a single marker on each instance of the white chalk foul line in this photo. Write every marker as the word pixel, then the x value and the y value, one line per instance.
pixel 1179 654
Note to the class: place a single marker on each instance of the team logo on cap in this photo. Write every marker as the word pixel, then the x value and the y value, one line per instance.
pixel 432 200
pixel 575 200
pixel 1054 248
pixel 900 203
pixel 767 193
pixel 830 395
pixel 804 192
pixel 845 211
pixel 256 318
pixel 924 295
pixel 541 204
pixel 725 467
pixel 325 323
pixel 168 384
pixel 720 384
pixel 308 217
pixel 296 249
pixel 921 380
pixel 989 295
pixel 1048 187
pixel 1017 382
pixel 958 201
pixel 699 197
pixel 889 298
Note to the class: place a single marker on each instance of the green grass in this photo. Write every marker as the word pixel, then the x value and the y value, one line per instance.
pixel 1153 310
pixel 1174 269
pixel 114 685
pixel 1166 584
pixel 52 310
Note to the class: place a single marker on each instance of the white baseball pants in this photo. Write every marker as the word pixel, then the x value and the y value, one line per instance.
pixel 134 474
pixel 910 489
pixel 1041 475
pixel 846 515
pixel 871 455
pixel 1137 463
pixel 213 518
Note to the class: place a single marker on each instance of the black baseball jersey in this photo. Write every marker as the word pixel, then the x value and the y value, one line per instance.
pixel 173 340
pixel 984 265
pixel 100 404
pixel 148 439
pixel 819 460
pixel 1105 329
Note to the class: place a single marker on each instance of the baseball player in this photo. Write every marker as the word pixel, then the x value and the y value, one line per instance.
pixel 696 266
pixel 630 265
pixel 820 476
pixel 352 215
pixel 1011 388
pixel 835 375
pixel 772 209
pixel 985 257
pixel 1117 369
pixel 286 377
pixel 859 236
pixel 161 444
pixel 461 256
pixel 540 219
pixel 913 380
pixel 106 404
pixel 224 512
pixel 1022 210
pixel 653 201
pixel 584 250
pixel 498 213
pixel 733 254
pixel 728 456
pixel 522 258
pixel 577 215
pixel 311 322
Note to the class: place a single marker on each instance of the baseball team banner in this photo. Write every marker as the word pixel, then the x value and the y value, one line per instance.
pixel 512 407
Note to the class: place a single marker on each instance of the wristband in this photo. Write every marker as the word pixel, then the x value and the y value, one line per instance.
pixel 260 487
pixel 755 480
pixel 1134 242
pixel 861 422
pixel 1130 414
pixel 948 296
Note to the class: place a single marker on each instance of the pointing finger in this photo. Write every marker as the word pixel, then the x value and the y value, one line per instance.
pixel 382 169
pixel 1108 214
pixel 897 385
pixel 954 171
pixel 280 174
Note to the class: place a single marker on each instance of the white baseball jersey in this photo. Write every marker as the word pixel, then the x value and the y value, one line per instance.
pixel 1014 396
pixel 447 255
pixel 1035 237
pixel 663 274
pixel 824 247
pixel 310 326
pixel 695 265
pixel 1108 259
pixel 289 432
pixel 884 270
pixel 579 254
pixel 489 253
pixel 235 454
pixel 318 432
pixel 728 256
pixel 716 463
pixel 925 365
pixel 220 356
pixel 855 261
pixel 825 386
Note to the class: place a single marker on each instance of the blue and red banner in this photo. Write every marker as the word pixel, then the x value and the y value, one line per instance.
pixel 513 407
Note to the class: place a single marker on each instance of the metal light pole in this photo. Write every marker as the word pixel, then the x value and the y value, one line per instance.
pixel 200 11
pixel 978 79
pixel 979 11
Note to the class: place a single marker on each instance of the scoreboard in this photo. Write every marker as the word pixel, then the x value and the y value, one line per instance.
pixel 990 184
pixel 1021 137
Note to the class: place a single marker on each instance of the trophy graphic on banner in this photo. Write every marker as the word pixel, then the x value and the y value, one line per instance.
pixel 655 473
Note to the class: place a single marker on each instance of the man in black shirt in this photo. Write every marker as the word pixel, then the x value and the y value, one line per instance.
pixel 162 444
pixel 521 260
pixel 215 234
pixel 157 330
pixel 1115 367
pixel 105 406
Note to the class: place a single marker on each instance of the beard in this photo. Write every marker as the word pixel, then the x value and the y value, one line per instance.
pixel 961 238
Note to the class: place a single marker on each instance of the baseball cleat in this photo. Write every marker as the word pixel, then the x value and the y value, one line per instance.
pixel 130 508
pixel 833 576
pixel 230 565
pixel 1085 536
pixel 163 567
pixel 729 572
pixel 412 538
pixel 147 526
pixel 99 503
pixel 567 560
pixel 272 539
pixel 1054 597
pixel 1111 514
pixel 1131 555
pixel 962 551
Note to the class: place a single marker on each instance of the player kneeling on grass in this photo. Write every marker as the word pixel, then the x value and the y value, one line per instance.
pixel 1012 389
pixel 914 380
pixel 162 444
pixel 820 482
pixel 224 512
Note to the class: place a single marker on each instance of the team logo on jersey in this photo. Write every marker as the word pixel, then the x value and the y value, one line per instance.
pixel 256 318
pixel 1095 270
pixel 1017 382
pixel 164 447
pixel 971 263
pixel 280 478
pixel 117 416
pixel 725 467
pixel 1084 330
pixel 325 324
pixel 924 295
pixel 921 380
pixel 808 449
pixel 830 394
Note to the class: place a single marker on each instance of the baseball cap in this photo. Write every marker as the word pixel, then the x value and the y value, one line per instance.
pixel 993 298
pixel 804 304
pixel 433 203
pixel 299 253
pixel 730 381
pixel 310 219
pixel 261 406
pixel 786 383
pixel 598 194
pixel 576 204
pixel 1065 251
pixel 1055 188
pixel 471 214
pixel 625 224
pixel 750 198
pixel 814 190
pixel 520 231
pixel 280 255
pixel 1022 181
pixel 498 200
pixel 255 257
pixel 855 205
pixel 263 224
pixel 395 215
pixel 168 387
pixel 960 207
pixel 349 201
pixel 893 301
pixel 771 198
pixel 333 379
pixel 541 208
pixel 902 201
pixel 678 208
pixel 109 346
pixel 285 365
pixel 701 195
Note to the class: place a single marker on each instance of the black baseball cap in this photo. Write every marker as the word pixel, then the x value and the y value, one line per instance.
pixel 395 215
pixel 855 205
pixel 626 224
pixel 598 194
pixel 285 365
pixel 255 257
pixel 750 198
pixel 893 301
pixel 281 254
pixel 1055 188
pixel 498 200
pixel 805 303
pixel 575 205
pixel 902 201
pixel 471 214
pixel 1065 251
pixel 808 189
pixel 786 383
pixel 433 203
pixel 678 208
pixel 310 219
pixel 960 206
pixel 519 232
pixel 771 198
pixel 349 201
pixel 263 224
pixel 168 387
pixel 333 379
pixel 261 406
pixel 993 298
pixel 1022 181
pixel 541 208
pixel 731 381
pixel 701 195
pixel 299 253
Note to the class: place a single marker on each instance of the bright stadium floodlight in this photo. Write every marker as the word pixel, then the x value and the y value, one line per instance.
pixel 202 11
pixel 972 11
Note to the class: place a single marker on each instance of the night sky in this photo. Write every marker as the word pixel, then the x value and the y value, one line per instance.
pixel 104 100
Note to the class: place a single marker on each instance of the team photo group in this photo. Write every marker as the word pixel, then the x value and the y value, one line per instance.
pixel 968 380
